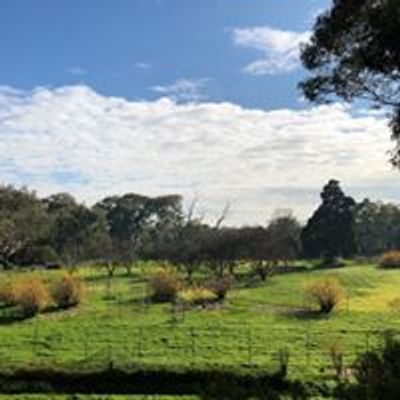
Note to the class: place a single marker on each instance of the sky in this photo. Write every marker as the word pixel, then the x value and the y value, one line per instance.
pixel 199 98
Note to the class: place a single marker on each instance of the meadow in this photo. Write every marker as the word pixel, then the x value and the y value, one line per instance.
pixel 259 326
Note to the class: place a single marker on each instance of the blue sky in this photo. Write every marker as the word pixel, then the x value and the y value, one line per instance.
pixel 126 47
pixel 194 97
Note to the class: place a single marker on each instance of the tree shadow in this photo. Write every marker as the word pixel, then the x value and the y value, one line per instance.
pixel 306 314
pixel 10 315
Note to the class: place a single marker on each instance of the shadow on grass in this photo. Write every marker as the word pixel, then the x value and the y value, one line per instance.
pixel 13 314
pixel 306 314
pixel 10 315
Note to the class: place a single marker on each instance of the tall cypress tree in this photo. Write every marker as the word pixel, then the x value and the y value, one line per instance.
pixel 329 232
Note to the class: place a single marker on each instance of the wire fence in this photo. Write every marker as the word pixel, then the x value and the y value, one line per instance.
pixel 305 351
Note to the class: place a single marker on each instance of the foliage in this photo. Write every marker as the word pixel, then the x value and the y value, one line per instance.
pixel 377 227
pixel 197 296
pixel 23 222
pixel 354 53
pixel 284 238
pixel 67 291
pixel 31 295
pixel 132 219
pixel 376 373
pixel 164 285
pixel 391 259
pixel 329 232
pixel 220 286
pixel 8 293
pixel 326 293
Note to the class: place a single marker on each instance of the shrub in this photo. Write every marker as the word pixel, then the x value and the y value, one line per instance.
pixel 197 296
pixel 31 295
pixel 220 287
pixel 375 374
pixel 327 293
pixel 391 259
pixel 8 293
pixel 68 291
pixel 164 285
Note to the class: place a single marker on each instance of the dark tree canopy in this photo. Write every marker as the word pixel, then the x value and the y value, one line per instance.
pixel 329 232
pixel 354 53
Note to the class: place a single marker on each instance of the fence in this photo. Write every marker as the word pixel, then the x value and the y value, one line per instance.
pixel 309 351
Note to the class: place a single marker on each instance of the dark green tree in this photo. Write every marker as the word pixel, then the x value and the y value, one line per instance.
pixel 354 53
pixel 376 227
pixel 23 224
pixel 135 220
pixel 284 238
pixel 329 232
pixel 72 227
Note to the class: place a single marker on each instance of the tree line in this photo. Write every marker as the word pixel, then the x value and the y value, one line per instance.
pixel 118 230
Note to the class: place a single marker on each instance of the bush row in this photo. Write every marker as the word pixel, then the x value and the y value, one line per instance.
pixel 32 295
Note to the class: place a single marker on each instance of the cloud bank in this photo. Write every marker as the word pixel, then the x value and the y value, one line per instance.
pixel 280 49
pixel 75 139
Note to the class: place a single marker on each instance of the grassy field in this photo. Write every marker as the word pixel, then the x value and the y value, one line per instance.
pixel 258 323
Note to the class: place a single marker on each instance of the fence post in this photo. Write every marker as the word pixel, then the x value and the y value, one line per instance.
pixel 85 346
pixel 193 344
pixel 308 353
pixel 35 340
pixel 139 343
pixel 249 348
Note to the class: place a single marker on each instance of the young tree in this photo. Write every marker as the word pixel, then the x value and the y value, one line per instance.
pixel 329 232
pixel 354 53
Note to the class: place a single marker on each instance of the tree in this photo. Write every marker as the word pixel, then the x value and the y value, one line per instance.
pixel 133 218
pixel 354 53
pixel 23 223
pixel 376 227
pixel 72 227
pixel 329 232
pixel 258 250
pixel 284 238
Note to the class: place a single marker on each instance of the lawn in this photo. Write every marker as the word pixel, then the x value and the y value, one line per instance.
pixel 259 324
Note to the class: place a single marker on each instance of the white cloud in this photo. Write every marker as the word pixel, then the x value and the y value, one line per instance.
pixel 183 90
pixel 280 49
pixel 74 139
pixel 142 65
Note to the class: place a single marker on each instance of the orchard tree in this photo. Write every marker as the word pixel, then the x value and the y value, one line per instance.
pixel 354 53
pixel 329 232
pixel 284 238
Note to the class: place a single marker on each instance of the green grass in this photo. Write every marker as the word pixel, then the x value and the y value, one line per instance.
pixel 257 322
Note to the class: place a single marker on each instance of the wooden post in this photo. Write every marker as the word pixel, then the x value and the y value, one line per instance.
pixel 249 348
pixel 139 343
pixel 193 344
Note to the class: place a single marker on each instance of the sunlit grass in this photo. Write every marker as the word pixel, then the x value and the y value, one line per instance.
pixel 255 323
